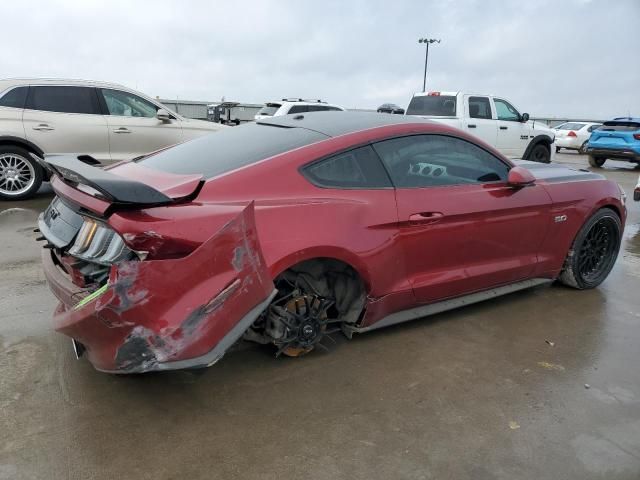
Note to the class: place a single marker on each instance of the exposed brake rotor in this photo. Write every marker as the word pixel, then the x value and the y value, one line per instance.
pixel 305 323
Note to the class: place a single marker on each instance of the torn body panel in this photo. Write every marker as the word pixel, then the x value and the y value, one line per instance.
pixel 174 313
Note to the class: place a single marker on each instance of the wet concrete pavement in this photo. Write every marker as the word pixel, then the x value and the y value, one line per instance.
pixel 476 393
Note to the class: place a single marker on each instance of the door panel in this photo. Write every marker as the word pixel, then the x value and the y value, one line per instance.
pixel 462 228
pixel 479 119
pixel 513 135
pixel 134 129
pixel 477 236
pixel 58 120
pixel 131 137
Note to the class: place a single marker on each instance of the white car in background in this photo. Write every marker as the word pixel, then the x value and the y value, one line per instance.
pixel 288 106
pixel 105 121
pixel 574 135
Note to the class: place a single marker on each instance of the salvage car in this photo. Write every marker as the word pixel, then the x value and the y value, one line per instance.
pixel 107 121
pixel 291 229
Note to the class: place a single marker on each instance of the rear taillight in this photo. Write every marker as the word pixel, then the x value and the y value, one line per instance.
pixel 97 243
pixel 636 136
pixel 571 134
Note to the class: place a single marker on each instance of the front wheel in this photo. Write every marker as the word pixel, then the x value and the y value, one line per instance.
pixel 594 251
pixel 540 153
pixel 20 175
pixel 596 162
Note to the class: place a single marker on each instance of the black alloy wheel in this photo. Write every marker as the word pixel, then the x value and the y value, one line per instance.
pixel 594 251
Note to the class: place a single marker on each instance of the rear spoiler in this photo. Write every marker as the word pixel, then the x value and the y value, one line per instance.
pixel 80 170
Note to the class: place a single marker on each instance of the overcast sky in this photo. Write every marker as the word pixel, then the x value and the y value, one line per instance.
pixel 575 58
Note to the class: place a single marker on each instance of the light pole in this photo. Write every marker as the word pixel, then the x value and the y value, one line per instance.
pixel 427 42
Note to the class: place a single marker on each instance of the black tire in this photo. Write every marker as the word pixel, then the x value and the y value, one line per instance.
pixel 583 148
pixel 26 174
pixel 596 162
pixel 540 153
pixel 557 149
pixel 594 251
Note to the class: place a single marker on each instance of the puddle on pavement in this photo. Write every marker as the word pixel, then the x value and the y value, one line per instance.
pixel 631 248
pixel 26 211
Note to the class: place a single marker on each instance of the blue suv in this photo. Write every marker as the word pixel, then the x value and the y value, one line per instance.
pixel 616 139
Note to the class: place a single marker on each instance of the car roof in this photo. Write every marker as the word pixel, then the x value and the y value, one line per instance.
pixel 300 102
pixel 334 124
pixel 626 119
pixel 57 81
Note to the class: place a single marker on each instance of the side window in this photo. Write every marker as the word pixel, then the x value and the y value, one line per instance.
pixel 14 98
pixel 479 107
pixel 435 160
pixel 358 168
pixel 299 109
pixel 593 127
pixel 124 104
pixel 506 111
pixel 63 99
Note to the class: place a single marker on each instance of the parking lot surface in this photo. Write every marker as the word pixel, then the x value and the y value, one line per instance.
pixel 540 384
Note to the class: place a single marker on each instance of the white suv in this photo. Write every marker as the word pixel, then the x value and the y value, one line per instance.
pixel 106 121
pixel 289 106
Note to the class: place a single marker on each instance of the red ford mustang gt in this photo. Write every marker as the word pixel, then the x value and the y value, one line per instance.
pixel 289 229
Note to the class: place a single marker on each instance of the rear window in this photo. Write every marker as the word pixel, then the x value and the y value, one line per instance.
pixel 15 98
pixel 620 126
pixel 570 126
pixel 358 168
pixel 269 109
pixel 439 106
pixel 63 99
pixel 229 149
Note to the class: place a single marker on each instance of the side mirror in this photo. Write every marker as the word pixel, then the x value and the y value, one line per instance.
pixel 524 117
pixel 163 115
pixel 520 177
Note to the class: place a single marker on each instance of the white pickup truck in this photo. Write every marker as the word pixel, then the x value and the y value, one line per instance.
pixel 492 119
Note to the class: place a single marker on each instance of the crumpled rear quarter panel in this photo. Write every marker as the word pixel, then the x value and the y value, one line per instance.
pixel 161 311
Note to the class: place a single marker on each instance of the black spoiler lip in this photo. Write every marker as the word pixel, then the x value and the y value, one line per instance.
pixel 114 188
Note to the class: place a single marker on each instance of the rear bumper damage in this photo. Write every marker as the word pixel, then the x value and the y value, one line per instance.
pixel 168 314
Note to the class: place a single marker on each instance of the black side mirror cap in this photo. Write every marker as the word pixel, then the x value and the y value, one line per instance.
pixel 524 117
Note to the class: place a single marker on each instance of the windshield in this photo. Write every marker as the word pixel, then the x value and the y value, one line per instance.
pixel 438 106
pixel 570 126
pixel 620 126
pixel 269 109
pixel 230 149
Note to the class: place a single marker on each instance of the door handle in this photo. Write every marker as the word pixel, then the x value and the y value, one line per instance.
pixel 122 130
pixel 43 127
pixel 424 218
pixel 471 126
pixel 503 128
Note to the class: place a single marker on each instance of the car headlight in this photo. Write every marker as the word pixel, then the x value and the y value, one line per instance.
pixel 96 242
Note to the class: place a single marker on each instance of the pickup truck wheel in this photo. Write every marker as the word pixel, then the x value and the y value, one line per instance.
pixel 540 153
pixel 20 175
pixel 596 162
pixel 594 251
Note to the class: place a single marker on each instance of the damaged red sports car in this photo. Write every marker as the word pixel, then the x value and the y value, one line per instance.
pixel 292 228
